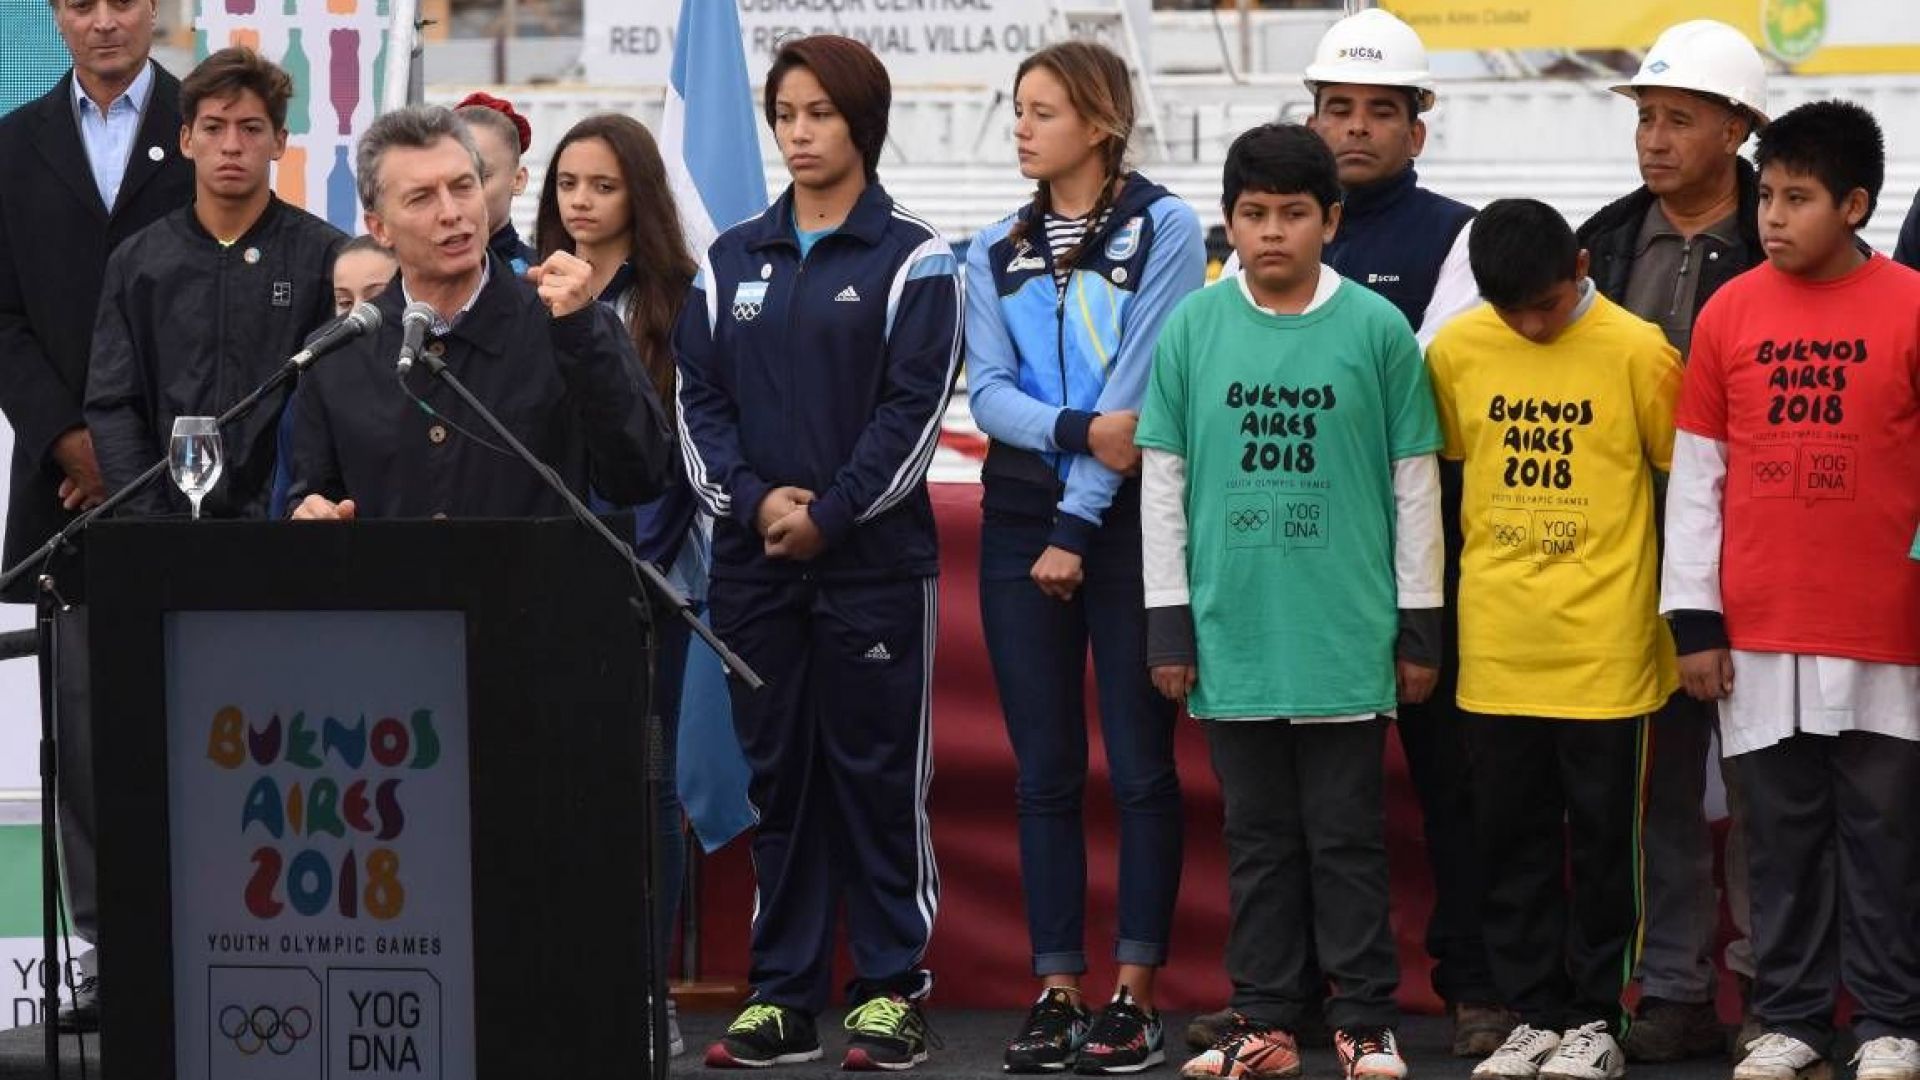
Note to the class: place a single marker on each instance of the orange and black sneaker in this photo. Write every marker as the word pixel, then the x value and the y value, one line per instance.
pixel 1369 1054
pixel 1247 1050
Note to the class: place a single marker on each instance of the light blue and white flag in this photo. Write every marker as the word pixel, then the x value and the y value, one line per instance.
pixel 709 134
pixel 708 139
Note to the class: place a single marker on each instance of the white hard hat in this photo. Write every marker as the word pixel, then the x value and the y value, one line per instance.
pixel 1372 48
pixel 1708 57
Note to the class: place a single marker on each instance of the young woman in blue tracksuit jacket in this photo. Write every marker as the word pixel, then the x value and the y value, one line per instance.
pixel 1064 301
pixel 817 350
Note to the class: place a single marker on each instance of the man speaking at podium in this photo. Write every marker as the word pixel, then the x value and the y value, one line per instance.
pixel 552 363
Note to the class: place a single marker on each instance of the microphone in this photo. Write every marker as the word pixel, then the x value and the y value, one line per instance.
pixel 363 319
pixel 414 324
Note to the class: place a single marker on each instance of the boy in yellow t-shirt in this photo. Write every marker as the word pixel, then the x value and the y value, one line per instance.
pixel 1559 405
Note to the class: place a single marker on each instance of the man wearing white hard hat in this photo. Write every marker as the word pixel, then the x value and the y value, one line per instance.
pixel 1370 84
pixel 1661 252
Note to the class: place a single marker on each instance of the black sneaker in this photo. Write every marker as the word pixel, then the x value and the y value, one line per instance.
pixel 1056 1026
pixel 764 1035
pixel 1124 1039
pixel 889 1032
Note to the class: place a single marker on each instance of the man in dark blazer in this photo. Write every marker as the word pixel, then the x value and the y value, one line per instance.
pixel 81 169
pixel 56 229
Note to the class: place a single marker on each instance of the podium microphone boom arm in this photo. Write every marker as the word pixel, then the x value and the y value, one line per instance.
pixel 360 320
pixel 658 583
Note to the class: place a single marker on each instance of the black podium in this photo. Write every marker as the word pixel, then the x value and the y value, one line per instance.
pixel 371 800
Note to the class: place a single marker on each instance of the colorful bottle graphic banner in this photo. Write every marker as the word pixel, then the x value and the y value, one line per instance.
pixel 337 53
pixel 320 844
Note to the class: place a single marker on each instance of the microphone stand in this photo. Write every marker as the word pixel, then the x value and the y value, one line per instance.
pixel 661 587
pixel 657 582
pixel 48 603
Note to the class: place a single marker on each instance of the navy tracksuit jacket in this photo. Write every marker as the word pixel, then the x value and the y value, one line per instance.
pixel 829 373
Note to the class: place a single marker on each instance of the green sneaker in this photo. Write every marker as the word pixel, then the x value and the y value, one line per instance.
pixel 888 1033
pixel 764 1035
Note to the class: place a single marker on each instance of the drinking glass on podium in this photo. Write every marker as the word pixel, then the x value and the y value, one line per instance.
pixel 195 457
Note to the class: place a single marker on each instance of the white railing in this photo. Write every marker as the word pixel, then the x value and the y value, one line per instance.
pixel 1569 142
pixel 1478 120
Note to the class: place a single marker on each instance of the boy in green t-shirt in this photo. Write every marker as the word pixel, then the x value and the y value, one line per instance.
pixel 1292 557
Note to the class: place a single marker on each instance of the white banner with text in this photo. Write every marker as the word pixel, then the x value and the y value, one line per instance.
pixel 320 832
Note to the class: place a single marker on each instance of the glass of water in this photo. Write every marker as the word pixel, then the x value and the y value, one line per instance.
pixel 194 457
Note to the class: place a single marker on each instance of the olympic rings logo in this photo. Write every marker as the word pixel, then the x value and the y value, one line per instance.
pixel 1509 535
pixel 264 1027
pixel 1248 520
pixel 1772 472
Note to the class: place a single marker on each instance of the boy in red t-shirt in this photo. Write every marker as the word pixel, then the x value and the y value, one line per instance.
pixel 1794 498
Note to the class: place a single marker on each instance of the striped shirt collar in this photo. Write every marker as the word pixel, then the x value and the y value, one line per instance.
pixel 442 327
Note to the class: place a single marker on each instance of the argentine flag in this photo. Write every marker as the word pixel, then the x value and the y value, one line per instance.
pixel 712 152
pixel 709 135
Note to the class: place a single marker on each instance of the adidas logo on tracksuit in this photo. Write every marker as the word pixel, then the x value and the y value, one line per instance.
pixel 847 296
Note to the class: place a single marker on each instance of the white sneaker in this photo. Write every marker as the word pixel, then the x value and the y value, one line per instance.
pixel 1774 1056
pixel 1887 1058
pixel 1587 1052
pixel 1520 1056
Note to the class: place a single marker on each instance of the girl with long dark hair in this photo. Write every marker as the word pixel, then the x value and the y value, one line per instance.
pixel 606 199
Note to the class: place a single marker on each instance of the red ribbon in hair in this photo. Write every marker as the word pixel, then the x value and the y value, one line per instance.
pixel 504 108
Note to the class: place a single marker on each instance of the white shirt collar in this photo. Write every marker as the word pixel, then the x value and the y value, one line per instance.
pixel 1323 291
pixel 1585 303
pixel 137 94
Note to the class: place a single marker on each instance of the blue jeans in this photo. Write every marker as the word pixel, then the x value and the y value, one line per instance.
pixel 1038 646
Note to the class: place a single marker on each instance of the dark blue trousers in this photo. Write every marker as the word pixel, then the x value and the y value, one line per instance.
pixel 840 743
pixel 1834 822
pixel 1039 648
